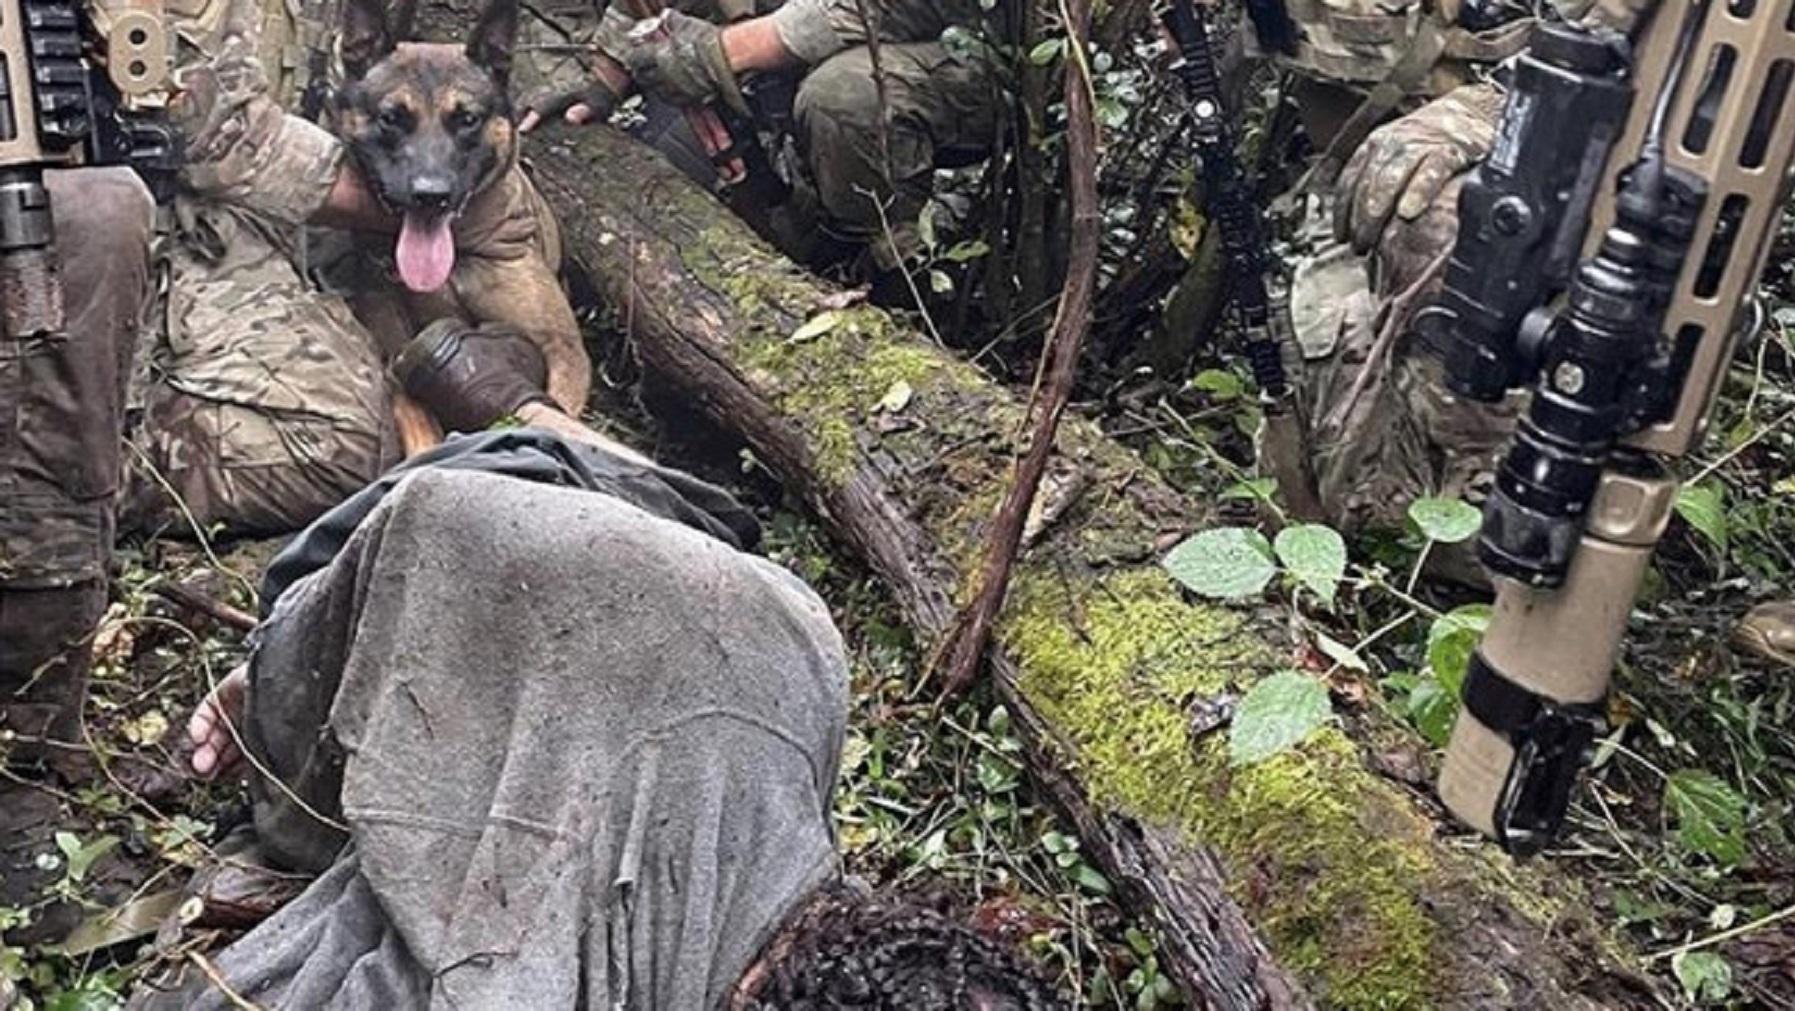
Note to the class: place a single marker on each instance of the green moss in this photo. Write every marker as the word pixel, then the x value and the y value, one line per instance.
pixel 829 383
pixel 1326 860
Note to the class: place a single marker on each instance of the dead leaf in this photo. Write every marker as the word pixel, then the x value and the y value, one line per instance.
pixel 897 398
pixel 815 327
pixel 846 299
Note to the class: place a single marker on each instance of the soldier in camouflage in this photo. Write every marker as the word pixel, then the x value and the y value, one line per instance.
pixel 871 183
pixel 258 400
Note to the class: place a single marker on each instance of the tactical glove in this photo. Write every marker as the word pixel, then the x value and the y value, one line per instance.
pixel 1398 172
pixel 577 83
pixel 681 59
pixel 550 104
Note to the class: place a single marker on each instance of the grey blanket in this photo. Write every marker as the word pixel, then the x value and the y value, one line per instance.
pixel 585 757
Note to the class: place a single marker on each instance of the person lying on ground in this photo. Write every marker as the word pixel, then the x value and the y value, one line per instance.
pixel 552 737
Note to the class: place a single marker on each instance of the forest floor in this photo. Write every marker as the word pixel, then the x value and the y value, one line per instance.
pixel 1683 833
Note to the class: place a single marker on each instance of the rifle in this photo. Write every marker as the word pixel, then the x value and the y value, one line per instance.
pixel 57 110
pixel 1233 211
pixel 1607 249
pixel 731 144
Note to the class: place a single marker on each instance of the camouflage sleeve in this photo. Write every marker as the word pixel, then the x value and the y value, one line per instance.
pixel 814 30
pixel 241 146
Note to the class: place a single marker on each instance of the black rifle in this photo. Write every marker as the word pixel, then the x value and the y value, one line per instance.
pixel 1232 209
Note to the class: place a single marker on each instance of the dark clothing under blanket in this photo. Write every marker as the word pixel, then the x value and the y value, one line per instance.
pixel 585 756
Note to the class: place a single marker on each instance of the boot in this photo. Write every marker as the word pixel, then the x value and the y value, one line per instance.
pixel 469 377
pixel 1767 633
pixel 45 659
pixel 30 863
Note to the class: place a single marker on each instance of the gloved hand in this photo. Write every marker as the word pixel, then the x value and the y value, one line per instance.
pixel 681 58
pixel 1398 172
pixel 586 89
pixel 590 102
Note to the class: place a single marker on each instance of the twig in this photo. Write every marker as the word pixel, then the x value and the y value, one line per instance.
pixel 1725 935
pixel 1756 437
pixel 194 600
pixel 237 1000
pixel 964 644
pixel 904 269
pixel 193 524
pixel 1395 312
pixel 869 18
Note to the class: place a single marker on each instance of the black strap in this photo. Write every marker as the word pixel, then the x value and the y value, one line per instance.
pixel 1550 739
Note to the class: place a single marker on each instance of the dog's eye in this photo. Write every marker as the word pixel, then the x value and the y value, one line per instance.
pixel 462 119
pixel 395 117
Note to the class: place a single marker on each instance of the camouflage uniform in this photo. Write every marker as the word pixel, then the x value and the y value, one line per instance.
pixel 60 454
pixel 943 101
pixel 943 109
pixel 1383 430
pixel 262 402
pixel 268 404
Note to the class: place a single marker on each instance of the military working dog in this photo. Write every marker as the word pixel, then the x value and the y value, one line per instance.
pixel 429 125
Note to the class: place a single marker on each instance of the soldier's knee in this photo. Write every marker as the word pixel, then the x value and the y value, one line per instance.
pixel 106 215
pixel 254 471
pixel 837 100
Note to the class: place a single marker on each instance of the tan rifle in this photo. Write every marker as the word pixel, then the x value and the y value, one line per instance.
pixel 1637 183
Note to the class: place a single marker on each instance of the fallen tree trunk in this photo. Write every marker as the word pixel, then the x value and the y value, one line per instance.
pixel 1306 879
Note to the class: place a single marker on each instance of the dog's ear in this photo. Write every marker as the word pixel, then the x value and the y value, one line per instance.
pixel 368 36
pixel 489 47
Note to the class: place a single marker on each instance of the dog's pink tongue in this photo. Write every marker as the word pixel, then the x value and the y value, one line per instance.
pixel 426 252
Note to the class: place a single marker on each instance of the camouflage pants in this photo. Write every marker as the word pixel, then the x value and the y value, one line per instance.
pixel 266 403
pixel 943 111
pixel 1383 428
pixel 60 462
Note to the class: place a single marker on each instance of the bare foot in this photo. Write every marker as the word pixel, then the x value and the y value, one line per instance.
pixel 215 750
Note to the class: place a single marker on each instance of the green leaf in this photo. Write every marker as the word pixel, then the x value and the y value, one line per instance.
pixel 1703 506
pixel 1710 814
pixel 925 224
pixel 81 857
pixel 939 282
pixel 1111 113
pixel 1339 652
pixel 1088 879
pixel 965 251
pixel 1277 714
pixel 1257 489
pixel 1434 710
pixel 1474 618
pixel 1706 977
pixel 1219 383
pixel 815 327
pixel 1227 562
pixel 1446 520
pixel 897 398
pixel 1046 51
pixel 1451 640
pixel 1315 555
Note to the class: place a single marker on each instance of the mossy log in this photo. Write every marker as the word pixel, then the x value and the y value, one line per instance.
pixel 1301 881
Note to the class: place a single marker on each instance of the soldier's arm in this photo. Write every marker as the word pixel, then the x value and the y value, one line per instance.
pixel 242 148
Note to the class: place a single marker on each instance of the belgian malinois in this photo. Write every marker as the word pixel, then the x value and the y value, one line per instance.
pixel 429 125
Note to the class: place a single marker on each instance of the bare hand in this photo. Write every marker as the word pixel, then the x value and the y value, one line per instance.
pixel 215 726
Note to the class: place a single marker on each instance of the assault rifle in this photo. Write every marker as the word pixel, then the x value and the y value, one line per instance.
pixel 1232 210
pixel 1608 249
pixel 56 111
